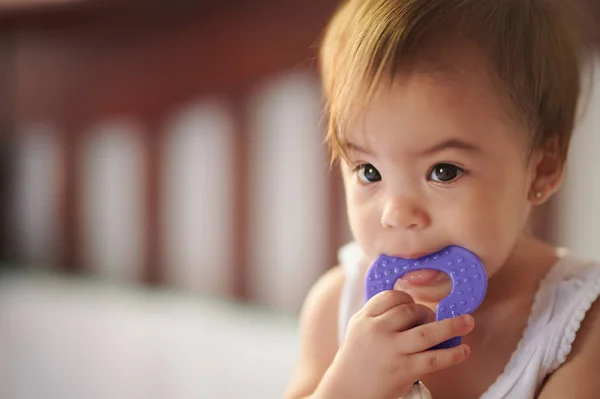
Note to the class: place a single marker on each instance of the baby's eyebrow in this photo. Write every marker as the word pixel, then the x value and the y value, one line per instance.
pixel 457 144
pixel 356 148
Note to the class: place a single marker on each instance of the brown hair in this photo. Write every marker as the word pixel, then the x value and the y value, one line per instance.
pixel 530 46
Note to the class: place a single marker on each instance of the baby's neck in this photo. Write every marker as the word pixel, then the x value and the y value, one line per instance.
pixel 515 285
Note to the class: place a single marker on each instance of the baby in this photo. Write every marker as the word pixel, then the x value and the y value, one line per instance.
pixel 451 122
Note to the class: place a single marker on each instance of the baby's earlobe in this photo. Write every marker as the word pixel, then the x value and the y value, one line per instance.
pixel 537 197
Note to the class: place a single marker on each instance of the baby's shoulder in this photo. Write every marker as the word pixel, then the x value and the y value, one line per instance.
pixel 328 286
pixel 321 305
pixel 579 311
pixel 586 346
pixel 578 376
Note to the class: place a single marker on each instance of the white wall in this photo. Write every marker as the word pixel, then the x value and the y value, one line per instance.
pixel 578 203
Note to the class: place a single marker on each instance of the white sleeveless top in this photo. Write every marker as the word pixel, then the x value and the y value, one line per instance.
pixel 563 298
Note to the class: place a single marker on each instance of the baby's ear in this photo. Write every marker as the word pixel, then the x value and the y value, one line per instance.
pixel 547 168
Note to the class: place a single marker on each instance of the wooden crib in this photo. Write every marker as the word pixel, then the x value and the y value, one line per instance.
pixel 75 64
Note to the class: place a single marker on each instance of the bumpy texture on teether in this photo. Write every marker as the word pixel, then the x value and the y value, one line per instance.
pixel 468 276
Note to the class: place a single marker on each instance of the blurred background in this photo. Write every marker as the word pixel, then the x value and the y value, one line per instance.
pixel 165 195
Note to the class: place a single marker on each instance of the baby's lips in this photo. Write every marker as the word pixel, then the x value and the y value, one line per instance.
pixel 424 277
pixel 436 287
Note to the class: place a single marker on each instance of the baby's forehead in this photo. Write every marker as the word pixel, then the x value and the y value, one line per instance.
pixel 424 106
pixel 435 91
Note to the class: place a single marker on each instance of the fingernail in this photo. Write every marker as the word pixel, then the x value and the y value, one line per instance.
pixel 467 320
pixel 467 350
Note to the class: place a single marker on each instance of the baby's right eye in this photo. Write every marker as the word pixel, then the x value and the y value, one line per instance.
pixel 368 174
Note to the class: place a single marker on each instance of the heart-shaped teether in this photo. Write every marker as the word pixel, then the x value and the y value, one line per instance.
pixel 469 280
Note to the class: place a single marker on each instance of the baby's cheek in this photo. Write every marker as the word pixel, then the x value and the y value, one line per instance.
pixel 488 234
pixel 364 224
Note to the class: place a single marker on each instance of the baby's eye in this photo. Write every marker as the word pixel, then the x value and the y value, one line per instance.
pixel 445 172
pixel 367 173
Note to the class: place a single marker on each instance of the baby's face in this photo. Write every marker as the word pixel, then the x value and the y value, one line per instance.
pixel 438 159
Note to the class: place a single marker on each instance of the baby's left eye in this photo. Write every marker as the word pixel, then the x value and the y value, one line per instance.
pixel 445 172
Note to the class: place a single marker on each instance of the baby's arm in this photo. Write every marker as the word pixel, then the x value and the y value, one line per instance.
pixel 578 377
pixel 318 334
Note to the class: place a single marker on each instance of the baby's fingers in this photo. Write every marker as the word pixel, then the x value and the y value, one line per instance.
pixel 429 335
pixel 428 362
pixel 406 316
pixel 385 301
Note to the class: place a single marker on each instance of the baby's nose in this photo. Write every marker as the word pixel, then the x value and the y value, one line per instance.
pixel 400 212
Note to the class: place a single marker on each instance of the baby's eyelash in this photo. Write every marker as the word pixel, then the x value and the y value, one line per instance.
pixel 356 166
pixel 459 172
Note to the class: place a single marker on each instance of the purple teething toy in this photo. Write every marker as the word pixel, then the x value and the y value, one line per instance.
pixel 469 280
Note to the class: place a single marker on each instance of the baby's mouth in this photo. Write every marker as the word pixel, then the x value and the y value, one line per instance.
pixel 428 286
pixel 425 277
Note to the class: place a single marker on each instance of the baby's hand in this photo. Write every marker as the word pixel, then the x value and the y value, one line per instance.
pixel 385 349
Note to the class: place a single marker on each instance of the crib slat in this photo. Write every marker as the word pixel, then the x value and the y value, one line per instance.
pixel 152 154
pixel 239 189
pixel 70 202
